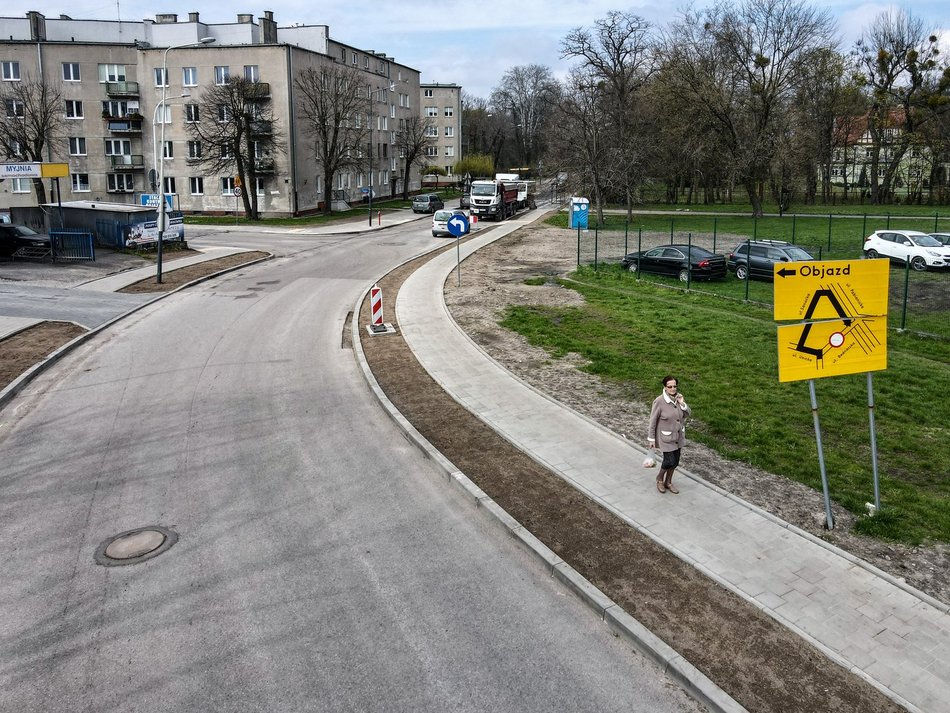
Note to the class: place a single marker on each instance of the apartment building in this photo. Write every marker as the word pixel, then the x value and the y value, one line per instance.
pixel 442 106
pixel 111 77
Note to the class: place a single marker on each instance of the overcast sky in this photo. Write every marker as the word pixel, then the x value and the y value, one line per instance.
pixel 469 43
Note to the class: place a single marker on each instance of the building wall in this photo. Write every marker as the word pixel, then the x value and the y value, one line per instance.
pixel 292 188
pixel 442 104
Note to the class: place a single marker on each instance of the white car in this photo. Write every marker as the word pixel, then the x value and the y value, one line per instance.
pixel 919 249
pixel 440 221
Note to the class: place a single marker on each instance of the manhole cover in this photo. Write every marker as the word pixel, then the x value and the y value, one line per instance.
pixel 135 546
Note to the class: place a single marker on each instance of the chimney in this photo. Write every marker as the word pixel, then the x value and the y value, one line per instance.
pixel 245 18
pixel 192 17
pixel 37 26
pixel 269 28
pixel 167 18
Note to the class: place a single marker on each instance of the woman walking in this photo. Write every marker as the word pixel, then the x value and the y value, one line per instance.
pixel 668 431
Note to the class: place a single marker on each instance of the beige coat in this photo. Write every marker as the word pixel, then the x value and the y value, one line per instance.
pixel 668 424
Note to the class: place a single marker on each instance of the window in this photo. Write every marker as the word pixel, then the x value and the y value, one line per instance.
pixel 11 71
pixel 259 186
pixel 115 108
pixel 449 111
pixel 161 77
pixel 169 184
pixel 224 113
pixel 121 182
pixel 111 72
pixel 450 131
pixel 194 149
pixel 353 58
pixel 77 146
pixel 427 93
pixel 71 72
pixel 432 111
pixel 80 182
pixel 252 73
pixel 432 131
pixel 196 185
pixel 227 152
pixel 222 75
pixel 73 109
pixel 118 147
pixel 21 185
pixel 14 108
pixel 432 150
pixel 168 150
pixel 343 54
pixel 227 186
pixel 191 113
pixel 449 150
pixel 164 116
pixel 189 76
pixel 15 150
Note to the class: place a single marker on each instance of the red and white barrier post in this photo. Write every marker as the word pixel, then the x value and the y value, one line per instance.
pixel 376 309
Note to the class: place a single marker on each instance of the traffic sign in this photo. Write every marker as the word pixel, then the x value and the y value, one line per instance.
pixel 34 170
pixel 238 181
pixel 237 191
pixel 458 225
pixel 830 289
pixel 832 348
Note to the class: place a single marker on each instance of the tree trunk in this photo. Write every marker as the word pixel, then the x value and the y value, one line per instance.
pixel 754 198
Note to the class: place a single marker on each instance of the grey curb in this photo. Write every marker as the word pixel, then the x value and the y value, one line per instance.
pixel 15 386
pixel 621 624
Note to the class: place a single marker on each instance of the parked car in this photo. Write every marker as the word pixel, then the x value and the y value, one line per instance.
pixel 755 258
pixel 919 249
pixel 427 203
pixel 944 238
pixel 20 239
pixel 672 260
pixel 440 221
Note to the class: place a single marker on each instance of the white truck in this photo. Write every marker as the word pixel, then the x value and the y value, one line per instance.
pixel 499 199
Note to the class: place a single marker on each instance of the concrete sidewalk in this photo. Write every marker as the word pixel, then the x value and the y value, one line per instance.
pixel 892 635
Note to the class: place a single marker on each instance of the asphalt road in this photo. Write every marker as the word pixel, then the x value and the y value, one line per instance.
pixel 322 564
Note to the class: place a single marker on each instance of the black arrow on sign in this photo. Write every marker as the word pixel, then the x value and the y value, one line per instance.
pixel 785 272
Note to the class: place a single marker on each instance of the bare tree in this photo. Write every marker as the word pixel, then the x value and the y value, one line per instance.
pixel 582 140
pixel 524 95
pixel 618 54
pixel 335 107
pixel 412 139
pixel 739 65
pixel 31 121
pixel 897 59
pixel 237 133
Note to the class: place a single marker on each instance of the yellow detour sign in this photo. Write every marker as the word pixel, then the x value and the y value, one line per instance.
pixel 830 289
pixel 54 170
pixel 832 348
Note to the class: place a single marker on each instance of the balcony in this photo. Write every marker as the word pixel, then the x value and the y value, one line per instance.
pixel 128 162
pixel 124 126
pixel 261 128
pixel 263 165
pixel 257 91
pixel 122 89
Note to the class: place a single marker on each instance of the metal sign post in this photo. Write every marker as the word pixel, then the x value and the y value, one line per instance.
pixel 458 226
pixel 829 518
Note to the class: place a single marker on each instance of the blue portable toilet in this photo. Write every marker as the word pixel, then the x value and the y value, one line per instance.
pixel 580 209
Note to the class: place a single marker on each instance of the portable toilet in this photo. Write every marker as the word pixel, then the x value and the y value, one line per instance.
pixel 580 209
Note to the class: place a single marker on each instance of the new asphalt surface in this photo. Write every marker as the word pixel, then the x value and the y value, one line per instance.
pixel 873 624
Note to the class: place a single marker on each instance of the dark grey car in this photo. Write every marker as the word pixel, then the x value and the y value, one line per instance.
pixel 18 240
pixel 755 258
pixel 427 203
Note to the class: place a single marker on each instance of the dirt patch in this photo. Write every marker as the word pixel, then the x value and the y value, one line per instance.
pixel 759 662
pixel 24 349
pixel 183 275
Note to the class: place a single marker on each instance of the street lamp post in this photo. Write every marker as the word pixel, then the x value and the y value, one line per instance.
pixel 162 218
pixel 371 118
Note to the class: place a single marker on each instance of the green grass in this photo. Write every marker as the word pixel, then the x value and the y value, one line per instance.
pixel 725 354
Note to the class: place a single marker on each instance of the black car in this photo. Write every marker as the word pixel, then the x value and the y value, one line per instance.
pixel 754 258
pixel 18 240
pixel 671 260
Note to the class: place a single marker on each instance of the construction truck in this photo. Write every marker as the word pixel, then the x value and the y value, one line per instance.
pixel 499 199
